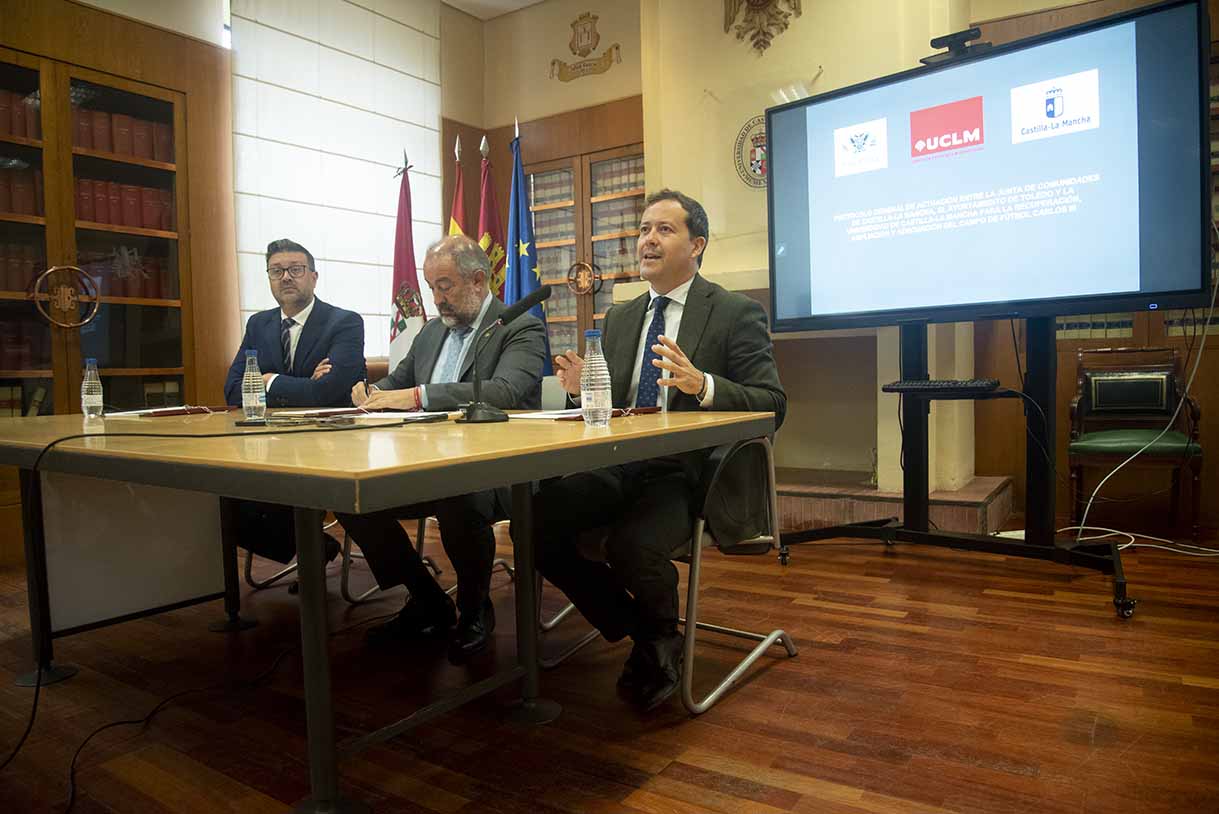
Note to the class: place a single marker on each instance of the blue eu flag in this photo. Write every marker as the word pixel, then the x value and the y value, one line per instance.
pixel 522 276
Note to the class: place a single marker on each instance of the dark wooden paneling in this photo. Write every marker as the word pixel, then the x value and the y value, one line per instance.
pixel 588 130
pixel 84 36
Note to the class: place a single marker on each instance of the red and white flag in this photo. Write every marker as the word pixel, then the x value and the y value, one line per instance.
pixel 406 305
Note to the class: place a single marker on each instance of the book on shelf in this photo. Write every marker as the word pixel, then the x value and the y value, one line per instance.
pixel 38 193
pixel 162 142
pixel 6 191
pixel 21 184
pixel 132 214
pixel 100 120
pixel 17 115
pixel 120 133
pixel 6 112
pixel 141 138
pixel 154 393
pixel 173 393
pixel 33 117
pixel 11 399
pixel 167 210
pixel 84 199
pixel 150 208
pixel 114 198
pixel 82 130
pixel 35 405
pixel 101 201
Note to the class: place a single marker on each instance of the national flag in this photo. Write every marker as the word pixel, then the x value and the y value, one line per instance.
pixel 491 229
pixel 457 219
pixel 405 303
pixel 521 273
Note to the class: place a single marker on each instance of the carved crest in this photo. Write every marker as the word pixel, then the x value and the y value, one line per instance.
pixel 584 36
pixel 763 20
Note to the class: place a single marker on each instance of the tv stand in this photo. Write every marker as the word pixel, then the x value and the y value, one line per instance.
pixel 1040 540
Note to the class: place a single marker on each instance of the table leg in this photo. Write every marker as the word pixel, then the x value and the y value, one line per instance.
pixel 38 587
pixel 315 653
pixel 532 709
pixel 233 621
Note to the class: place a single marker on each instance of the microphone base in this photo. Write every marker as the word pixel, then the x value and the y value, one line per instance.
pixel 481 413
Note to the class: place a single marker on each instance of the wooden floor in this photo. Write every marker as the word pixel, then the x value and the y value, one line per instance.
pixel 928 681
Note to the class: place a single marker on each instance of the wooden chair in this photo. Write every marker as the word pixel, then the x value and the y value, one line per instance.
pixel 691 553
pixel 1124 398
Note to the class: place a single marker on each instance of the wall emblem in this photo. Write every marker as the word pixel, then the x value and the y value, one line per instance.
pixel 750 152
pixel 584 40
pixel 763 21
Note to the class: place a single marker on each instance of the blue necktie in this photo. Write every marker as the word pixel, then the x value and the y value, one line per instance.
pixel 648 393
pixel 285 342
pixel 448 368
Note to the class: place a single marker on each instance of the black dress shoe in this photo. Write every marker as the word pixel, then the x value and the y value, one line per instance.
pixel 416 620
pixel 660 675
pixel 632 672
pixel 473 634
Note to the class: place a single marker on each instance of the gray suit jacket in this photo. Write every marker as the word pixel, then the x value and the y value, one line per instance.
pixel 510 364
pixel 725 334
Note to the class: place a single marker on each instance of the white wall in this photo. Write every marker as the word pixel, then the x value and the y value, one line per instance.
pixel 326 96
pixel 461 66
pixel 201 19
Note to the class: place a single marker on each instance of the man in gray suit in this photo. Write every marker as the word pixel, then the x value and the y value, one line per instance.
pixel 437 374
pixel 716 347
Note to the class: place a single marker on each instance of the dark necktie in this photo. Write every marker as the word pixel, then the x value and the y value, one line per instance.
pixel 285 342
pixel 649 391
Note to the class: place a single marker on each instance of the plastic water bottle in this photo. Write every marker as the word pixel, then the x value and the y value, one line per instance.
pixel 91 391
pixel 596 398
pixel 253 391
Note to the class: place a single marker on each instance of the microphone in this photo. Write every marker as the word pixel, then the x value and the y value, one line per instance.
pixel 478 412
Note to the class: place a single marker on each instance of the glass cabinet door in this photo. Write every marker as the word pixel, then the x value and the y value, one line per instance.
pixel 615 205
pixel 26 352
pixel 124 180
pixel 554 199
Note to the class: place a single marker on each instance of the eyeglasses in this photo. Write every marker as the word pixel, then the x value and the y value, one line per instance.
pixel 295 272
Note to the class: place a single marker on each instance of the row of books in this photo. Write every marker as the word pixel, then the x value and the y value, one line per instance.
pixel 123 272
pixel 617 175
pixel 20 115
pixel 551 187
pixel 12 400
pixel 553 225
pixel 1183 323
pixel 122 134
pixel 617 216
pixel 1096 326
pixel 25 345
pixel 162 393
pixel 555 261
pixel 561 304
pixel 20 263
pixel 21 191
pixel 124 204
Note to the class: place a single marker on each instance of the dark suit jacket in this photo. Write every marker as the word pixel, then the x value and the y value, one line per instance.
pixel 724 334
pixel 510 364
pixel 330 332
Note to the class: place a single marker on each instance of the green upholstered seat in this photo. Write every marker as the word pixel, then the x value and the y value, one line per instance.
pixel 1127 442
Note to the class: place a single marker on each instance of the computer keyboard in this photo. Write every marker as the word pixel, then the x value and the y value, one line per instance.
pixel 961 387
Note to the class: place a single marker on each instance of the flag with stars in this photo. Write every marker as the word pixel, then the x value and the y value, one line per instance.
pixel 522 275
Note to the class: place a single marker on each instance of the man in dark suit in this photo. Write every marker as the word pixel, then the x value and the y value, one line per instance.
pixel 310 354
pixel 716 348
pixel 438 374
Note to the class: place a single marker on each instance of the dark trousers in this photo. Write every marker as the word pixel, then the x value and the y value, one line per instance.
pixel 267 529
pixel 646 507
pixel 465 532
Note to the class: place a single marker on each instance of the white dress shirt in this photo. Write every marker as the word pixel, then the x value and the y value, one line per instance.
pixel 673 312
pixel 294 336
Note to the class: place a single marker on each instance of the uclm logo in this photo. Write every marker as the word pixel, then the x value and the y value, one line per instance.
pixel 940 129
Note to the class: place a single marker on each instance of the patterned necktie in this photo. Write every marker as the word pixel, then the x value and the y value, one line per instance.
pixel 285 342
pixel 648 393
pixel 448 368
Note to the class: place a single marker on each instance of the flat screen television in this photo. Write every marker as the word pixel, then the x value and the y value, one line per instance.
pixel 1060 174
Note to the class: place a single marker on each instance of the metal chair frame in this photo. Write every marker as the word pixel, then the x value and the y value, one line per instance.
pixel 691 554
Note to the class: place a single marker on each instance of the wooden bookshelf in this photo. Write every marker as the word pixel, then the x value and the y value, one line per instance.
pixel 616 235
pixel 38 373
pixel 554 244
pixel 553 205
pixel 125 159
pixel 616 196
pixel 135 231
pixel 13 217
pixel 141 371
pixel 22 140
pixel 155 302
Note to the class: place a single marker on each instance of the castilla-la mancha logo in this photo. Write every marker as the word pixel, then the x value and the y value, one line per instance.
pixel 750 152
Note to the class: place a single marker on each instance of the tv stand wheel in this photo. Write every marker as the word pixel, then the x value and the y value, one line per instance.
pixel 784 556
pixel 1125 607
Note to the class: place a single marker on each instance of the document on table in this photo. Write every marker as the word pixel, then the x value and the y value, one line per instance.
pixel 356 412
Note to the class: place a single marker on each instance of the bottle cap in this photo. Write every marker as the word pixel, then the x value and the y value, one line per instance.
pixel 90 361
pixel 592 333
pixel 251 353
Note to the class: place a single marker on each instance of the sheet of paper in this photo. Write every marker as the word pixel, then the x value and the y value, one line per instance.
pixel 548 415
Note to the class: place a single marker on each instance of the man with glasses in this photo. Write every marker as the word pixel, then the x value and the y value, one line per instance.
pixel 310 354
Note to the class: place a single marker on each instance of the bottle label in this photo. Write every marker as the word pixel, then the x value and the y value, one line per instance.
pixel 94 400
pixel 596 399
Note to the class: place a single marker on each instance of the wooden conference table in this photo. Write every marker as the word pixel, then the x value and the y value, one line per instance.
pixel 358 470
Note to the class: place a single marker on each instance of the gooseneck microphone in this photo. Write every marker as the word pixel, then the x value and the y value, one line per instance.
pixel 478 412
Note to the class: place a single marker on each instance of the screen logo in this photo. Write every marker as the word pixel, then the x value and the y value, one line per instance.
pixel 944 128
pixel 862 147
pixel 1056 107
